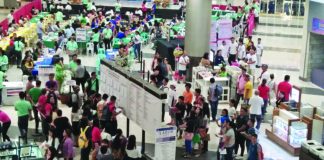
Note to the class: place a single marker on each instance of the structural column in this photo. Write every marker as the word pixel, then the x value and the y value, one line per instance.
pixel 198 23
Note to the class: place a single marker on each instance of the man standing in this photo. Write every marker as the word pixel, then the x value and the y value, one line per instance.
pixel 225 50
pixel 79 74
pixel 137 44
pixel 19 46
pixel 284 89
pixel 213 99
pixel 61 123
pixel 188 96
pixel 241 50
pixel 252 60
pixel 241 126
pixel 255 149
pixel 165 89
pixel 111 119
pixel 40 29
pixel 34 94
pixel 232 51
pixel 92 85
pixel 172 100
pixel 23 109
pixel 264 74
pixel 182 66
pixel 107 36
pixel 240 87
pixel 256 103
pixel 117 6
pixel 259 52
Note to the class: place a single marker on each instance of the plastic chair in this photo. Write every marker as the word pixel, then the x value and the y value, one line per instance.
pixel 101 51
pixel 90 48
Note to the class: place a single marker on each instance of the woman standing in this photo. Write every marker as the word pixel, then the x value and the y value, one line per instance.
pixel 6 122
pixel 59 73
pixel 144 8
pixel 67 150
pixel 229 139
pixel 3 61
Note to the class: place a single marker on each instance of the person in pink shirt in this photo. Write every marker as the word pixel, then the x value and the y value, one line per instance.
pixel 264 91
pixel 284 89
pixel 96 134
pixel 42 100
pixel 6 122
pixel 240 87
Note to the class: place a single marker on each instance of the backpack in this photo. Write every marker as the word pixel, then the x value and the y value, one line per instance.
pixel 218 91
pixel 83 140
pixel 261 150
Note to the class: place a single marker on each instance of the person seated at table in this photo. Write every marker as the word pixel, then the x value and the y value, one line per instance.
pixel 27 64
pixel 68 7
pixel 52 27
pixel 95 22
pixel 71 47
pixel 59 16
pixel 121 34
pixel 38 51
pixel 60 40
pixel 121 58
pixel 21 20
pixel 218 58
pixel 205 60
pixel 222 72
pixel 3 61
pixel 68 31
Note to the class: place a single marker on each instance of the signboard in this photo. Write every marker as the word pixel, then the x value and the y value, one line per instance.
pixel 165 143
pixel 138 105
pixel 81 35
pixel 318 26
pixel 225 29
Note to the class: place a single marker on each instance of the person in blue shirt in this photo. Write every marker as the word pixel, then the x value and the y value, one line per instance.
pixel 95 23
pixel 153 8
pixel 224 117
pixel 255 149
pixel 218 59
pixel 121 34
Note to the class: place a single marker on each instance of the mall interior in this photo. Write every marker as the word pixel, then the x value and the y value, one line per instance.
pixel 144 54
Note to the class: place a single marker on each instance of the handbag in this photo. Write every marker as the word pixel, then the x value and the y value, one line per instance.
pixel 196 138
pixel 202 133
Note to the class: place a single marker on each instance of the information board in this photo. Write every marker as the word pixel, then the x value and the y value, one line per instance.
pixel 81 35
pixel 225 29
pixel 165 143
pixel 138 105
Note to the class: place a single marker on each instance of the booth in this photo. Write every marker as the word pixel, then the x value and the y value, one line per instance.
pixel 16 150
pixel 201 79
pixel 10 92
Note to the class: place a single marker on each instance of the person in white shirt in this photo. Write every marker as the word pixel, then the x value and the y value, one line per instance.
pixel 264 74
pixel 251 60
pixel 182 66
pixel 164 87
pixel 131 150
pixel 137 44
pixel 225 50
pixel 68 7
pixel 241 50
pixel 259 52
pixel 232 51
pixel 172 100
pixel 10 16
pixel 256 103
pixel 139 12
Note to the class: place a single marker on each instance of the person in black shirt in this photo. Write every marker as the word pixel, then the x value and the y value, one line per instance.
pixel 241 126
pixel 61 123
pixel 159 72
pixel 179 110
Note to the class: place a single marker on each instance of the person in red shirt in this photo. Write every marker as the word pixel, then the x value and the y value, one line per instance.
pixel 284 89
pixel 264 94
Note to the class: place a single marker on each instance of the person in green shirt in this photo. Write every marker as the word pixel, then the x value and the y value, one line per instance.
pixel 23 109
pixel 107 36
pixel 59 16
pixel 71 47
pixel 89 6
pixel 73 65
pixel 2 77
pixel 85 4
pixel 34 94
pixel 95 39
pixel 59 73
pixel 18 47
pixel 118 6
pixel 92 86
pixel 3 61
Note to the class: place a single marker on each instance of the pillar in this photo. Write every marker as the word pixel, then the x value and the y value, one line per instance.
pixel 198 23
